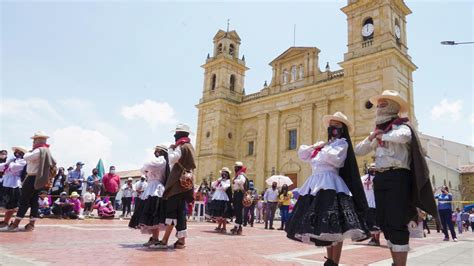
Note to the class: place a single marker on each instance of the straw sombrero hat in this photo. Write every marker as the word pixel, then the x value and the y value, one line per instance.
pixel 391 95
pixel 40 135
pixel 225 169
pixel 74 194
pixel 182 128
pixel 338 116
pixel 162 147
pixel 19 148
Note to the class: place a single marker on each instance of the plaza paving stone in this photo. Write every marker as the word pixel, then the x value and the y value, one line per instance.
pixel 102 242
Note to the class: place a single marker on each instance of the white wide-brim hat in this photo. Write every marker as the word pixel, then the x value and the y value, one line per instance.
pixel 19 148
pixel 239 164
pixel 40 135
pixel 182 128
pixel 391 95
pixel 340 117
pixel 162 147
pixel 225 169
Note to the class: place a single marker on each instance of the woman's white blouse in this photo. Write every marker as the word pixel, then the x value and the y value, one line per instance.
pixel 220 185
pixel 154 171
pixel 325 167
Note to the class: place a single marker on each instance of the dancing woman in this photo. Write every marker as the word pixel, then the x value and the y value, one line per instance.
pixel 220 207
pixel 332 200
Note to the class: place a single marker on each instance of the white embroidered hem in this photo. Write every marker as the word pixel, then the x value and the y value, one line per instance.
pixel 398 248
pixel 146 229
pixel 353 234
pixel 324 180
pixel 169 221
pixel 182 234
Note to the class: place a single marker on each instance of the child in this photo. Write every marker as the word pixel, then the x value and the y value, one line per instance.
pixel 104 208
pixel 89 198
pixel 61 206
pixel 75 202
pixel 260 209
pixel 43 203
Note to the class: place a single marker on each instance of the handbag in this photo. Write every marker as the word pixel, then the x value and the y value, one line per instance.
pixel 186 180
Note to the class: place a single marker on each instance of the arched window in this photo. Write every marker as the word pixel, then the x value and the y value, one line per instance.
pixel 301 72
pixel 232 83
pixel 293 73
pixel 219 48
pixel 285 76
pixel 213 82
pixel 231 49
pixel 449 185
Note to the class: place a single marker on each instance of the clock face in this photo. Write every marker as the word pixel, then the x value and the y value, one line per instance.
pixel 367 29
pixel 397 31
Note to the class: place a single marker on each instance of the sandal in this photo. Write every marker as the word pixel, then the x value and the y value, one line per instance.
pixel 13 228
pixel 178 245
pixel 218 229
pixel 151 242
pixel 3 224
pixel 29 227
pixel 223 231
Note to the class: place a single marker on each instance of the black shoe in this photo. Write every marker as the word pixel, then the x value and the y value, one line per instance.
pixel 271 228
pixel 266 227
pixel 329 262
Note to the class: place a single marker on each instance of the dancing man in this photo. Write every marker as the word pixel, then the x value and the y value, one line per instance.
pixel 39 163
pixel 401 180
pixel 177 195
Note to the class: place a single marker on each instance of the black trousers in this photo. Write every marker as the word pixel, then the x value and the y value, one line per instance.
pixel 127 205
pixel 392 197
pixel 238 206
pixel 447 222
pixel 425 226
pixel 29 198
pixel 176 210
pixel 249 211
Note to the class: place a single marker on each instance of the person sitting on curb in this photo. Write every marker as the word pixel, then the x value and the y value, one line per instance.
pixel 43 201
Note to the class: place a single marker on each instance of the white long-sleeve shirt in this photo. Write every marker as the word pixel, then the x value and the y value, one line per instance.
pixel 11 176
pixel 174 155
pixel 220 185
pixel 325 166
pixel 271 195
pixel 32 161
pixel 394 151
pixel 238 184
pixel 154 171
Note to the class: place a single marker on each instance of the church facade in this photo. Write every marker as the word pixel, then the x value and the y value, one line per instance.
pixel 264 129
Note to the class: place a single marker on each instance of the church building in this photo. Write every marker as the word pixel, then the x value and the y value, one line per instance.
pixel 264 129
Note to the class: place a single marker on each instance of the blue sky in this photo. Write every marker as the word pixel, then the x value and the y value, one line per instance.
pixel 111 79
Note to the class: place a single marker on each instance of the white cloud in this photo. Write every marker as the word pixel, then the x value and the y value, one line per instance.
pixel 29 110
pixel 447 109
pixel 73 143
pixel 154 113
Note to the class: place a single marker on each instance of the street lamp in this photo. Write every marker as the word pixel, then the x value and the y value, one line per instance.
pixel 454 43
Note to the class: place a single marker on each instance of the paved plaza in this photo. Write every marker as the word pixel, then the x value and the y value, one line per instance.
pixel 101 242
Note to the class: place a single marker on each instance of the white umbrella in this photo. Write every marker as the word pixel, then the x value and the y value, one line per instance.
pixel 280 180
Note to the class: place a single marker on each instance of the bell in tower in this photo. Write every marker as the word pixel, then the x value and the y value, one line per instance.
pixel 224 71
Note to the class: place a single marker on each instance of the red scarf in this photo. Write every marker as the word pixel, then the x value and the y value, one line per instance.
pixel 396 122
pixel 42 145
pixel 243 170
pixel 182 141
pixel 315 152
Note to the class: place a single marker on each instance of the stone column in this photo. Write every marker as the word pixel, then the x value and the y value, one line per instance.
pixel 322 109
pixel 260 151
pixel 273 141
pixel 307 138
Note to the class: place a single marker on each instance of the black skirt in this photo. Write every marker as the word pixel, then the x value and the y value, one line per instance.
pixel 149 214
pixel 11 197
pixel 220 208
pixel 325 219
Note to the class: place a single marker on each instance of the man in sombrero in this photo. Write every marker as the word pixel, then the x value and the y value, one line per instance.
pixel 39 163
pixel 401 182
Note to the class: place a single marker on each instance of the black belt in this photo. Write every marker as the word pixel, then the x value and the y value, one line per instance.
pixel 389 169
